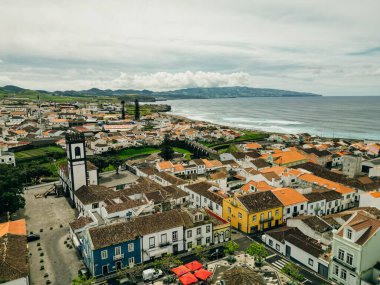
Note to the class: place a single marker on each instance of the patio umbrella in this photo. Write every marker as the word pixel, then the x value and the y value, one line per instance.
pixel 194 265
pixel 180 270
pixel 188 278
pixel 203 274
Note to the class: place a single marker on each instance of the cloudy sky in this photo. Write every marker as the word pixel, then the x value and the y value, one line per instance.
pixel 321 46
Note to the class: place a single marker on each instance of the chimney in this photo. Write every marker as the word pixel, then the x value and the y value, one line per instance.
pixel 122 110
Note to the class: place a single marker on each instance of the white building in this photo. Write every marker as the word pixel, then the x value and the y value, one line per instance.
pixel 7 158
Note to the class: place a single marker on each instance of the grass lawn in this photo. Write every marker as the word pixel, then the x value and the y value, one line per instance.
pixel 251 135
pixel 228 148
pixel 38 152
pixel 187 153
pixel 131 152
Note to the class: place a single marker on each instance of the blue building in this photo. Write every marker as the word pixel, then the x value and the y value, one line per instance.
pixel 109 248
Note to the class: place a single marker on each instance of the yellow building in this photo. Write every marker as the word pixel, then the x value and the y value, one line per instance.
pixel 221 229
pixel 253 212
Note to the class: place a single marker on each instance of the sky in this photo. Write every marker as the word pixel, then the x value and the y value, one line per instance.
pixel 320 46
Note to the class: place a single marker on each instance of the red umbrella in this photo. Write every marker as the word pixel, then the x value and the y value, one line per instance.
pixel 180 270
pixel 194 265
pixel 188 278
pixel 203 274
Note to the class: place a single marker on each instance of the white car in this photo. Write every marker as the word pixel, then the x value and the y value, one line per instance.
pixel 151 274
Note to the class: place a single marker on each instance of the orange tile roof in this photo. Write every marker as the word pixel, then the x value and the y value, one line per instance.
pixel 289 196
pixel 311 178
pixel 253 145
pixel 276 169
pixel 261 186
pixel 285 157
pixel 13 227
pixel 375 194
pixel 207 163
pixel 179 167
pixel 216 163
pixel 165 165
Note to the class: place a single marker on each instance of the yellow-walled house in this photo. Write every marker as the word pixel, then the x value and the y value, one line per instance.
pixel 253 212
pixel 221 229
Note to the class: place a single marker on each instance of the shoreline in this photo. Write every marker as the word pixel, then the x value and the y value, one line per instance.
pixel 186 119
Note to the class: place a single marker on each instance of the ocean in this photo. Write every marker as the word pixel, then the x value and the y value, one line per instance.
pixel 342 117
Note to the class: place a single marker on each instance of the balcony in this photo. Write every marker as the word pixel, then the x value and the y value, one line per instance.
pixel 163 244
pixel 118 257
pixel 264 220
pixel 341 262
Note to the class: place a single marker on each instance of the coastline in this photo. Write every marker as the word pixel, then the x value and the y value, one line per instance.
pixel 186 119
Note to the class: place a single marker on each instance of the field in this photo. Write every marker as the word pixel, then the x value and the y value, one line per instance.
pixel 183 151
pixel 36 153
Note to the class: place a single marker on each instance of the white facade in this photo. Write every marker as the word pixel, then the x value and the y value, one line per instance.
pixel 7 158
pixel 201 235
pixel 163 242
pixel 294 210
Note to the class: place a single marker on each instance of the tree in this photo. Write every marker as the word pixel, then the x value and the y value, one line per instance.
pixel 231 247
pixel 115 162
pixel 137 110
pixel 11 189
pixel 167 262
pixel 99 161
pixel 199 252
pixel 83 280
pixel 167 151
pixel 258 251
pixel 293 272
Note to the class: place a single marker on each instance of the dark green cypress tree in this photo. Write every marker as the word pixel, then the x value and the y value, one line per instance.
pixel 167 151
pixel 137 110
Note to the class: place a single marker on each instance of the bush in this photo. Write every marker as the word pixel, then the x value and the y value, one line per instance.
pixel 231 259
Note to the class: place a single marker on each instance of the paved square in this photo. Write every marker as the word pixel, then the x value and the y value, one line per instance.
pixel 60 263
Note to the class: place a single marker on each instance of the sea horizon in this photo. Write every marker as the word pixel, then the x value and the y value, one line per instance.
pixel 351 117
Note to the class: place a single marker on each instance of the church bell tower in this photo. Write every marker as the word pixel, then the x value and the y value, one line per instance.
pixel 76 160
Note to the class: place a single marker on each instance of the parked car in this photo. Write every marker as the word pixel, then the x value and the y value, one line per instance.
pixel 32 237
pixel 84 272
pixel 215 253
pixel 151 274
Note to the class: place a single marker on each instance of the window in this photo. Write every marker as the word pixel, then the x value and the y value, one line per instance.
pixel 349 233
pixel 288 210
pixel 254 218
pixel 277 247
pixel 131 247
pixel 343 274
pixel 189 245
pixel 199 241
pixel 205 200
pixel 164 238
pixel 301 207
pixel 349 258
pixel 197 199
pixel 189 234
pixel 341 254
pixel 229 210
pixel 217 207
pixel 104 254
pixel 311 206
pixel 175 236
pixel 311 262
pixel 95 205
pixel 270 242
pixel 336 270
pixel 207 240
pixel 77 151
pixel 277 212
pixel 131 260
pixel 208 229
pixel 227 235
pixel 240 216
pixel 152 242
pixel 199 231
pixel 269 215
pixel 117 250
pixel 295 209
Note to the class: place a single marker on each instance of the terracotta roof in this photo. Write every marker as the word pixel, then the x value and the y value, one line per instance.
pixel 80 223
pixel 289 196
pixel 260 186
pixel 13 257
pixel 202 188
pixel 313 179
pixel 17 227
pixel 94 193
pixel 165 165
pixel 260 201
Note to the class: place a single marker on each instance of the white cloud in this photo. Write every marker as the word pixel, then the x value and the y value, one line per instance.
pixel 170 81
pixel 167 44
